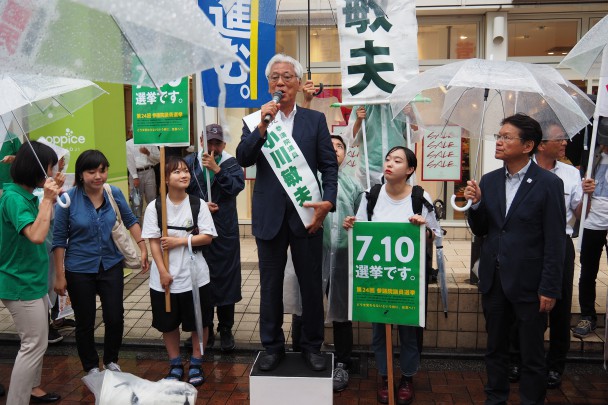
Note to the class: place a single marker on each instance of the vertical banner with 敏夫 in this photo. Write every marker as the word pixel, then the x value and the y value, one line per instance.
pixel 387 277
pixel 378 47
pixel 250 27
pixel 162 118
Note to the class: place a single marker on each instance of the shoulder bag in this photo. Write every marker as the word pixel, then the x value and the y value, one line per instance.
pixel 122 238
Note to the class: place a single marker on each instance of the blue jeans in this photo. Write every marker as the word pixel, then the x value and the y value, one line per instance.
pixel 409 358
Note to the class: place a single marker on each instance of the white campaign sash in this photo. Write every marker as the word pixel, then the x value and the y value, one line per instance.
pixel 289 165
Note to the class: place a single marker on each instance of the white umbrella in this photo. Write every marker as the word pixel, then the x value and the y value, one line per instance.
pixel 196 298
pixel 477 94
pixel 34 101
pixel 139 42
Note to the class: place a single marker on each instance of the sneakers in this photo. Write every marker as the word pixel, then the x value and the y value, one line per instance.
pixel 584 327
pixel 54 336
pixel 112 367
pixel 94 370
pixel 340 377
pixel 405 392
pixel 226 340
pixel 63 323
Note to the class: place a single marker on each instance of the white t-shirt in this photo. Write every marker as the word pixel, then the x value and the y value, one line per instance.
pixel 389 210
pixel 179 258
pixel 598 216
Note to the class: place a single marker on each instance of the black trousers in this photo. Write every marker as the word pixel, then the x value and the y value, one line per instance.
pixel 225 316
pixel 591 252
pixel 560 316
pixel 83 287
pixel 306 253
pixel 499 314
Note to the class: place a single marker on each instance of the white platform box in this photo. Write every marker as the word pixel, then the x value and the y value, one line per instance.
pixel 291 383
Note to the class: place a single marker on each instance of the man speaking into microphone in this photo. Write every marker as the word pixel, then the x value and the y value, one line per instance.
pixel 289 205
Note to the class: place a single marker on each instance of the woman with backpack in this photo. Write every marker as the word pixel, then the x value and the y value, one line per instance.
pixel 395 202
pixel 181 223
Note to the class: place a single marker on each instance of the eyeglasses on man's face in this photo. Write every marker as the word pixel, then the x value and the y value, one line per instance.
pixel 505 138
pixel 287 77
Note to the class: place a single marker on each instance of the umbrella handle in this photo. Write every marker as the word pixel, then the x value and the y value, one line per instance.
pixel 67 202
pixel 458 208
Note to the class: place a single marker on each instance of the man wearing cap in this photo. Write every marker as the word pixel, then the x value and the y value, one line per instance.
pixel 140 164
pixel 594 236
pixel 224 254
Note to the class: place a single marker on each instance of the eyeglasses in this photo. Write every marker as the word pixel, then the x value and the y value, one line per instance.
pixel 504 138
pixel 285 76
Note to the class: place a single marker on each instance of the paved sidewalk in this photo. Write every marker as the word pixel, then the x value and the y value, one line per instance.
pixel 438 381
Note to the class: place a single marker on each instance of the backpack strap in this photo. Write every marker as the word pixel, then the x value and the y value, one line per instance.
pixel 372 199
pixel 418 201
pixel 195 206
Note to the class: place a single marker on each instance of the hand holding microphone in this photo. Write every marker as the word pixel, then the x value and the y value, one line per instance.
pixel 276 97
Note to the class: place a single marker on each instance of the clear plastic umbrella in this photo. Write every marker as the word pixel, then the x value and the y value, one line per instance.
pixel 196 298
pixel 585 58
pixel 441 277
pixel 33 101
pixel 139 42
pixel 477 94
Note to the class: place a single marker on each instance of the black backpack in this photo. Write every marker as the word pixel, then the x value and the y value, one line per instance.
pixel 418 201
pixel 195 206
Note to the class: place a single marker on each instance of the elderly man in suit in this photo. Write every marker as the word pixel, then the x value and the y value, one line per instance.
pixel 519 211
pixel 288 207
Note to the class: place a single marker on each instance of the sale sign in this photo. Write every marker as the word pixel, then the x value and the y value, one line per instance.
pixel 387 277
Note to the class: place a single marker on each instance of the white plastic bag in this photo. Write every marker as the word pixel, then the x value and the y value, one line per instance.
pixel 115 388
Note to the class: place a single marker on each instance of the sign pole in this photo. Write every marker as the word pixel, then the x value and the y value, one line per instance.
pixel 163 204
pixel 389 363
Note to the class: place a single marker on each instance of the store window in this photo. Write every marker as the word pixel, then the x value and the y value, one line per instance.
pixel 287 40
pixel 542 37
pixel 441 41
pixel 324 44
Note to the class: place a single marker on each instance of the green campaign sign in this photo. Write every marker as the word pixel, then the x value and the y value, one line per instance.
pixel 387 277
pixel 162 118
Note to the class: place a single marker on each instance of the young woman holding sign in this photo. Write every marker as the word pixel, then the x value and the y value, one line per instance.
pixel 394 204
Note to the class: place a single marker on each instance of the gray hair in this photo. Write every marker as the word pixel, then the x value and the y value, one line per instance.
pixel 282 58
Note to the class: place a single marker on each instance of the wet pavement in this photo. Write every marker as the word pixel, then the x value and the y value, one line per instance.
pixel 441 380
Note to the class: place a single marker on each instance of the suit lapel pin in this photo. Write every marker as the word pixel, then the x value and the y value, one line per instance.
pixel 529 180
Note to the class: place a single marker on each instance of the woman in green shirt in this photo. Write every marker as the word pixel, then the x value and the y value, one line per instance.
pixel 24 266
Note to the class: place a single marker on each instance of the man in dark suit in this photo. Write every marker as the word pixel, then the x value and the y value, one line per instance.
pixel 277 223
pixel 522 219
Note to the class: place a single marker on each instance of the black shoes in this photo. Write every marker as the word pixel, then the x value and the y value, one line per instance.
pixel 270 361
pixel 315 361
pixel 514 373
pixel 554 379
pixel 226 340
pixel 46 398
pixel 210 340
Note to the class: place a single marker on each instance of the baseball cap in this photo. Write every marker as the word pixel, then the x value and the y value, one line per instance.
pixel 214 131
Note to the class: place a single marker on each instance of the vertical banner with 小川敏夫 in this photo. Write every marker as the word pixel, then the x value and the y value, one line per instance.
pixel 162 118
pixel 250 27
pixel 387 277
pixel 378 47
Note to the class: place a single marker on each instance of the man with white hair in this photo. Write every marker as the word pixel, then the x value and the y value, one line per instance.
pixel 288 209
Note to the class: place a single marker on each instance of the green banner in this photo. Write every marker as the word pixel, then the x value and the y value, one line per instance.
pixel 387 278
pixel 162 118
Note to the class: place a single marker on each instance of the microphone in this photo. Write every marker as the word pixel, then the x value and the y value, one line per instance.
pixel 276 97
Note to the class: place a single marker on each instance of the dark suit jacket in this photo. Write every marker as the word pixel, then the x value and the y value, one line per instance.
pixel 529 243
pixel 269 198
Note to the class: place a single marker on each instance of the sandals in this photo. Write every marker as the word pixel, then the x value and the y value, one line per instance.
pixel 195 375
pixel 176 372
